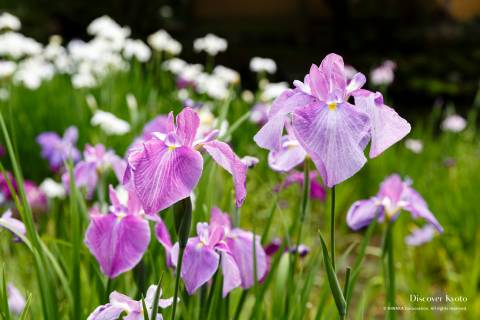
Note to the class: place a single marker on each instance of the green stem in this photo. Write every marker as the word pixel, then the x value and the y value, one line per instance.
pixel 389 272
pixel 332 228
pixel 177 280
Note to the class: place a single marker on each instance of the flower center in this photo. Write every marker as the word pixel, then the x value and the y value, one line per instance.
pixel 171 148
pixel 332 106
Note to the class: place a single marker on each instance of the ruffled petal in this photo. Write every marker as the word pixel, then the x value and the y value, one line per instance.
pixel 387 127
pixel 227 159
pixel 162 175
pixel 332 138
pixel 199 264
pixel 117 243
pixel 240 244
pixel 188 122
pixel 362 213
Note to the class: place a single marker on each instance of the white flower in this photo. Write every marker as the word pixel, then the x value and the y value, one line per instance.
pixel 267 65
pixel 273 90
pixel 212 85
pixel 248 96
pixel 83 80
pixel 17 45
pixel 211 44
pixel 162 41
pixel 53 189
pixel 226 74
pixel 7 68
pixel 32 71
pixel 191 72
pixel 414 145
pixel 132 102
pixel 383 74
pixel 137 49
pixel 454 123
pixel 9 21
pixel 174 65
pixel 109 123
pixel 104 27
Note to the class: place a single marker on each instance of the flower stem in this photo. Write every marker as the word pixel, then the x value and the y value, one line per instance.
pixel 332 228
pixel 183 219
pixel 389 272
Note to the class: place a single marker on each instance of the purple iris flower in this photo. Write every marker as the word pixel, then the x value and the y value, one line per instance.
pixel 166 168
pixel 15 299
pixel 331 130
pixel 37 199
pixel 420 236
pixel 158 124
pixel 317 190
pixel 121 304
pixel 12 224
pixel 5 193
pixel 96 161
pixel 58 149
pixel 394 196
pixel 119 238
pixel 219 245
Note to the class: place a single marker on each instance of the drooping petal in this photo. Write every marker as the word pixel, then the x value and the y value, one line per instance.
pixel 106 312
pixel 162 175
pixel 332 138
pixel 290 155
pixel 227 159
pixel 269 136
pixel 163 236
pixel 117 243
pixel 199 264
pixel 188 122
pixel 419 209
pixel 362 213
pixel 231 273
pixel 387 127
pixel 420 236
pixel 240 244
pixel 15 299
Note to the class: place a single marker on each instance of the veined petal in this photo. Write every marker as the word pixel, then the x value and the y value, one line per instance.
pixel 188 122
pixel 269 136
pixel 387 127
pixel 199 264
pixel 333 139
pixel 288 157
pixel 231 273
pixel 117 243
pixel 240 244
pixel 227 159
pixel 362 213
pixel 163 176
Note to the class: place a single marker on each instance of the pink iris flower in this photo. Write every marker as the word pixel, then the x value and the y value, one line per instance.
pixel 330 129
pixel 166 168
pixel 218 245
pixel 317 190
pixel 121 304
pixel 119 238
pixel 394 196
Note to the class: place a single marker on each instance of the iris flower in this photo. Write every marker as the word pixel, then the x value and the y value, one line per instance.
pixel 119 238
pixel 421 236
pixel 166 168
pixel 58 149
pixel 333 131
pixel 121 304
pixel 394 196
pixel 96 161
pixel 317 190
pixel 219 245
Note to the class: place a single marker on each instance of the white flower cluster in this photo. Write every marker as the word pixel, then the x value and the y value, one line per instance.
pixel 267 65
pixel 109 123
pixel 211 44
pixel 162 41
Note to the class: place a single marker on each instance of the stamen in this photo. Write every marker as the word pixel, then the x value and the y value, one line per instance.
pixel 332 106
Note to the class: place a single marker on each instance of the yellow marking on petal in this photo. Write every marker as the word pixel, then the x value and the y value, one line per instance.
pixel 199 245
pixel 171 148
pixel 332 106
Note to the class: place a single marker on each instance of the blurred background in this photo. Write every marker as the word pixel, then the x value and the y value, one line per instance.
pixel 435 43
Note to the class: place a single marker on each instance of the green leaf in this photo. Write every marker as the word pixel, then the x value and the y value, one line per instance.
pixel 335 288
pixel 26 309
pixel 145 310
pixel 4 297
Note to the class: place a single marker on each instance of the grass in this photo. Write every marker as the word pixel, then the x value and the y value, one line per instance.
pixel 64 280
